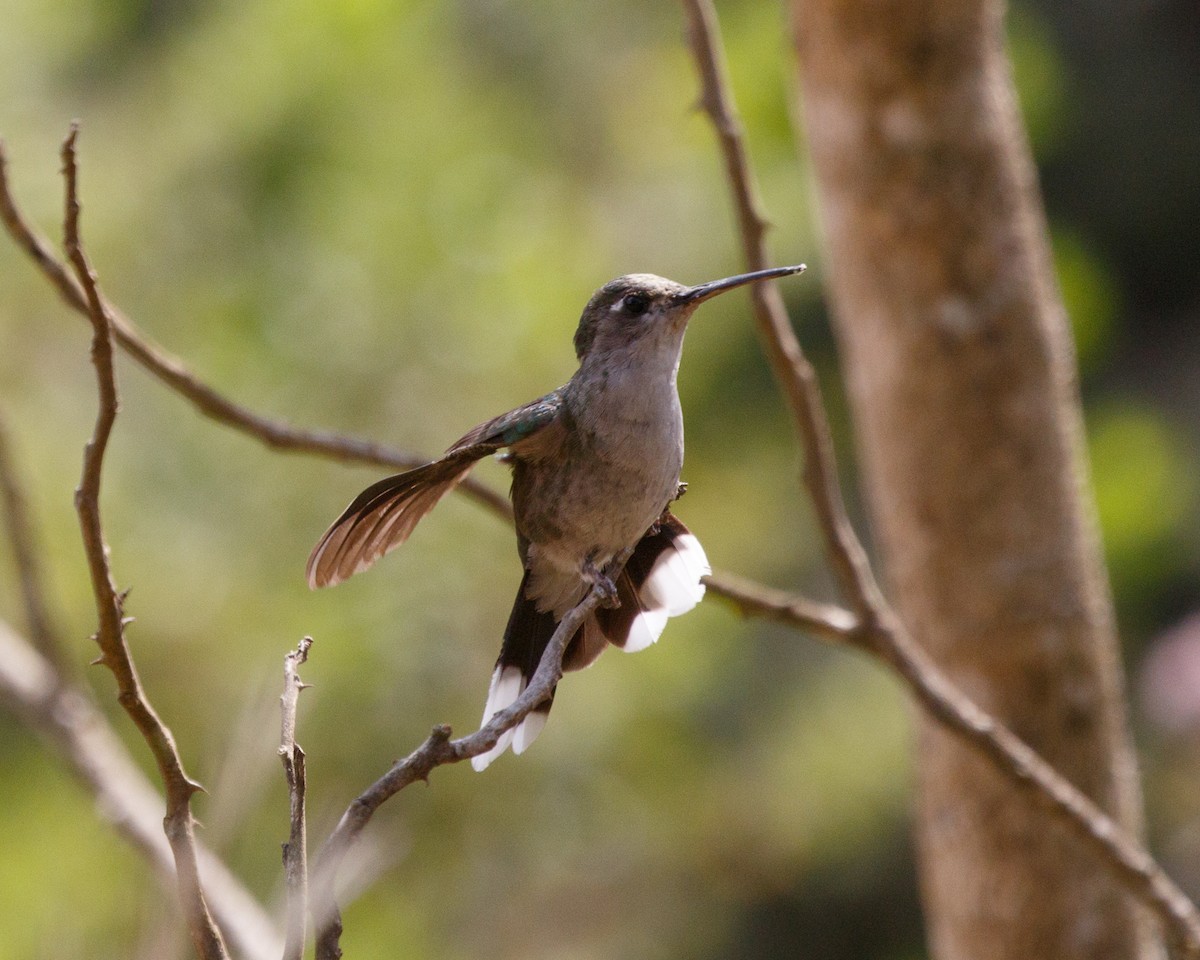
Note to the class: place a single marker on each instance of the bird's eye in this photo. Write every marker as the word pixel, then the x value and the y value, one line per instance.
pixel 636 304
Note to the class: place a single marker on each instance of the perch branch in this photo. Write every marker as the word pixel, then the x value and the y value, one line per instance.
pixel 437 750
pixel 110 635
pixel 879 630
pixel 295 851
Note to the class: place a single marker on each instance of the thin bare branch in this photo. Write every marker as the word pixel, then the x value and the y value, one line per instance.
pixel 110 636
pixel 295 851
pixel 879 629
pixel 67 718
pixel 794 374
pixel 437 750
pixel 1124 858
pixel 824 620
pixel 25 556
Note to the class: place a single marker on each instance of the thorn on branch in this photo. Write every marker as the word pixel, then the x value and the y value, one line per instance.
pixel 115 654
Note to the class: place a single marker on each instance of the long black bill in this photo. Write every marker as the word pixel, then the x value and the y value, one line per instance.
pixel 704 291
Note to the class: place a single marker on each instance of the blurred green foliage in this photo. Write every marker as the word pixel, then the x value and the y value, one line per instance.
pixel 384 218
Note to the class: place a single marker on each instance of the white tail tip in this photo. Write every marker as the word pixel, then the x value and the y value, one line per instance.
pixel 507 684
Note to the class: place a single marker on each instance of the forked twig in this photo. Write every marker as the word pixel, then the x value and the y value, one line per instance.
pixel 110 636
pixel 879 630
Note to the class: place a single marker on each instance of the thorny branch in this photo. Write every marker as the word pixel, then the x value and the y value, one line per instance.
pixel 879 630
pixel 295 851
pixel 114 652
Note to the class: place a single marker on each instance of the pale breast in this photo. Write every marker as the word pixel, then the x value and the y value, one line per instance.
pixel 615 470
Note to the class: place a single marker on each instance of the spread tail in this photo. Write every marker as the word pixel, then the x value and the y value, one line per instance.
pixel 662 579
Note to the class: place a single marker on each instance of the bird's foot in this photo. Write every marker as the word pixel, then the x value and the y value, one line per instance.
pixel 680 490
pixel 602 583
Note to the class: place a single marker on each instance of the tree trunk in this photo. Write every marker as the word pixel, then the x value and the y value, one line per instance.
pixel 962 384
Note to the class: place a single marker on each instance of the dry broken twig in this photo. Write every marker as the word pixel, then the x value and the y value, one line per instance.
pixel 295 851
pixel 879 631
pixel 110 636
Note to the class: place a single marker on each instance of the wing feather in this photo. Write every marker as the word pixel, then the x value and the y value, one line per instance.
pixel 384 515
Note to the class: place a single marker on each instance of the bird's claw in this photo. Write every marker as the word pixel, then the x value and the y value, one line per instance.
pixel 603 584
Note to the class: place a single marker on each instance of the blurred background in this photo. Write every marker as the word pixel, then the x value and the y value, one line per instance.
pixel 384 218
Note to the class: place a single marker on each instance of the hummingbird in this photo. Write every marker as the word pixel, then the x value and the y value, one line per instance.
pixel 595 468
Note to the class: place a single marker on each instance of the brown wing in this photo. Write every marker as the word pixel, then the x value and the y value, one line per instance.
pixel 382 516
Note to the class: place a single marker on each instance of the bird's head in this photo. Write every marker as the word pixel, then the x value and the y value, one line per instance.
pixel 642 309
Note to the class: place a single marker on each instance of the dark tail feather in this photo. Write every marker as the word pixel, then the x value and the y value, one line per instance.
pixel 525 639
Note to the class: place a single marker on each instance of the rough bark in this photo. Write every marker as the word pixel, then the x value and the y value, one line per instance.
pixel 962 383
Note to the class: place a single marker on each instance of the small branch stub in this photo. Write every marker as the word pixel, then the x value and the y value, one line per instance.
pixel 295 850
